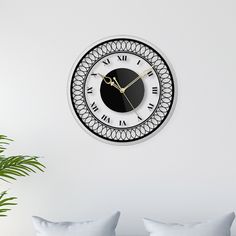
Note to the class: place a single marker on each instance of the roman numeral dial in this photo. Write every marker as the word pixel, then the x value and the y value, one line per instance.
pixel 122 90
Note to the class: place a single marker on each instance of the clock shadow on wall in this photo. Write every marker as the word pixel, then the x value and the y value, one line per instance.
pixel 122 90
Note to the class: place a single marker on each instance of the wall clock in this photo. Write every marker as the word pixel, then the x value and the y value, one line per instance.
pixel 122 90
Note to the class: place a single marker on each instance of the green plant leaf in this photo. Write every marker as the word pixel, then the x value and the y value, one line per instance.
pixel 13 167
pixel 4 140
pixel 17 166
pixel 6 202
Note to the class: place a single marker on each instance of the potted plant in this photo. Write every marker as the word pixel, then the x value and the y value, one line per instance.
pixel 11 168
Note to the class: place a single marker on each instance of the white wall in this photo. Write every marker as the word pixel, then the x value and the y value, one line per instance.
pixel 184 173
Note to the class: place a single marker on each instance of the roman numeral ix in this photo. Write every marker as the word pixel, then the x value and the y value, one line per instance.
pixel 122 123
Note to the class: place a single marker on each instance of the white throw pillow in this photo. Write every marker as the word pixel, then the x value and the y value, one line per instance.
pixel 217 227
pixel 102 227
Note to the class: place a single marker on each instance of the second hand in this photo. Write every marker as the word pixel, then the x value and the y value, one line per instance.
pixel 126 98
pixel 131 104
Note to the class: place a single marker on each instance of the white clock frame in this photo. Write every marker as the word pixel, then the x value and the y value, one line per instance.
pixel 133 141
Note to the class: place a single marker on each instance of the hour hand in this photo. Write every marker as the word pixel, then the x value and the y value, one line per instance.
pixel 109 81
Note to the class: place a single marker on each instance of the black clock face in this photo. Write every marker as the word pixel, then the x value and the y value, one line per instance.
pixel 122 90
pixel 119 102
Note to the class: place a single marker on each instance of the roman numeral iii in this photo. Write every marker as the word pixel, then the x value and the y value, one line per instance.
pixel 122 58
pixel 94 107
pixel 106 62
pixel 154 90
pixel 106 118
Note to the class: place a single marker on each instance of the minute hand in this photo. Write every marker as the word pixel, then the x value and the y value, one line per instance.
pixel 135 80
